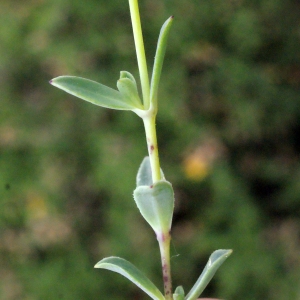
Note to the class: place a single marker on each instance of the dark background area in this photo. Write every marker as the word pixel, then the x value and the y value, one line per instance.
pixel 228 130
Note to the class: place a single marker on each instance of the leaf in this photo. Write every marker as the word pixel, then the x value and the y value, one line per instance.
pixel 144 175
pixel 179 293
pixel 215 261
pixel 128 270
pixel 159 58
pixel 126 74
pixel 156 204
pixel 93 92
pixel 128 90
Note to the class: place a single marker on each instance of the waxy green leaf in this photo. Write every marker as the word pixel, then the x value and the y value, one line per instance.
pixel 128 88
pixel 159 59
pixel 215 261
pixel 156 204
pixel 93 92
pixel 128 270
pixel 179 293
pixel 144 175
pixel 126 74
pixel 129 91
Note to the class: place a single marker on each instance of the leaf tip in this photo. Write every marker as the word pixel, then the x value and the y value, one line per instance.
pixel 96 266
pixel 53 81
pixel 227 252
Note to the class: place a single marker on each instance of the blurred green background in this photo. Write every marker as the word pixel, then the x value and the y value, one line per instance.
pixel 228 131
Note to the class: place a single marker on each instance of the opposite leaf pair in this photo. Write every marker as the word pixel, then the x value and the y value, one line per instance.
pixel 155 201
pixel 126 98
pixel 156 204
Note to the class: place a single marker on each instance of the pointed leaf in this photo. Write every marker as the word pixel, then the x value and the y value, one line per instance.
pixel 215 261
pixel 128 270
pixel 144 175
pixel 93 92
pixel 156 204
pixel 159 59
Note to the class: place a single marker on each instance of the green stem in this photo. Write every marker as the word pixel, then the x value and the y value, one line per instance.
pixel 140 51
pixel 164 246
pixel 149 117
pixel 150 129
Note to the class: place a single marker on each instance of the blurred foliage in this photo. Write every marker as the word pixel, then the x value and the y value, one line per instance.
pixel 228 130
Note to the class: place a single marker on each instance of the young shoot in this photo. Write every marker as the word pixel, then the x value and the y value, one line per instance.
pixel 154 195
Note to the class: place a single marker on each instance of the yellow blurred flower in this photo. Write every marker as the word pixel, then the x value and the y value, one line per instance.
pixel 195 167
pixel 198 163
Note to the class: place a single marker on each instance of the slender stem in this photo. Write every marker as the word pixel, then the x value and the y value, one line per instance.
pixel 140 51
pixel 150 129
pixel 164 246
pixel 149 123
